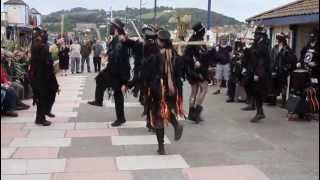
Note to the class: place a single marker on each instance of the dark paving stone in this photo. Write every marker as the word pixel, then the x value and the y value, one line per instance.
pixel 90 147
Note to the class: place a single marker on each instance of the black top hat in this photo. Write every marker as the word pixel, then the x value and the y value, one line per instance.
pixel 197 27
pixel 282 35
pixel 150 34
pixel 117 23
pixel 260 30
pixel 164 35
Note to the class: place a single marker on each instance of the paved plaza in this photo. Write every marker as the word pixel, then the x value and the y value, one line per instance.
pixel 82 145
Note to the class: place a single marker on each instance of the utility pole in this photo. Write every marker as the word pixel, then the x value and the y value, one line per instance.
pixel 209 14
pixel 155 11
pixel 126 14
pixel 140 15
pixel 62 25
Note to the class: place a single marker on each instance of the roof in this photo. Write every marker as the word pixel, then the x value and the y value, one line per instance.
pixel 19 2
pixel 296 8
pixel 34 11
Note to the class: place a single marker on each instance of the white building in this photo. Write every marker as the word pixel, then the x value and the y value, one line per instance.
pixel 17 12
pixel 296 19
pixel 36 17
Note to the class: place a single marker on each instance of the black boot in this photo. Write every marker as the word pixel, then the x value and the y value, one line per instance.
pixel 41 120
pixel 118 122
pixel 94 103
pixel 160 138
pixel 178 132
pixel 259 116
pixel 191 114
pixel 149 126
pixel 178 128
pixel 251 106
pixel 50 115
pixel 198 112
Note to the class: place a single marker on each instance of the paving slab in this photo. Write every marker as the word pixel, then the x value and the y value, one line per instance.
pixel 40 142
pixel 241 172
pixel 136 140
pixel 151 162
pixel 94 176
pixel 27 177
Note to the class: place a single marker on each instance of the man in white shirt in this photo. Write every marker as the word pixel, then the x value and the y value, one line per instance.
pixel 75 56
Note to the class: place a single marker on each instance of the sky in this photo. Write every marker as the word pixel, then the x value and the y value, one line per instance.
pixel 238 9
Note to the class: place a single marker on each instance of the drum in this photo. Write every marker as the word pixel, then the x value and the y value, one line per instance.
pixel 300 80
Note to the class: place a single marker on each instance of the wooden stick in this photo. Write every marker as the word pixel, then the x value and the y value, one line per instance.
pixel 192 43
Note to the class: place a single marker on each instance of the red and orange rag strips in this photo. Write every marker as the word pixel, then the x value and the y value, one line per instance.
pixel 179 107
pixel 165 111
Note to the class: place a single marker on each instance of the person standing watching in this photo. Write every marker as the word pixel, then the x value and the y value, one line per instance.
pixel 223 65
pixel 97 50
pixel 85 53
pixel 75 56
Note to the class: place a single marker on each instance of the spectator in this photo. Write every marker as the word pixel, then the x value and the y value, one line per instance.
pixel 8 101
pixel 223 64
pixel 64 58
pixel 85 53
pixel 75 56
pixel 97 50
pixel 18 88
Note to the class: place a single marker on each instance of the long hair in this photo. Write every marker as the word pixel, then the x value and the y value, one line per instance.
pixel 167 44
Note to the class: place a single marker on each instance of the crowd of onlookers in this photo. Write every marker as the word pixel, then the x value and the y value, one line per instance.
pixel 77 54
pixel 15 83
pixel 294 79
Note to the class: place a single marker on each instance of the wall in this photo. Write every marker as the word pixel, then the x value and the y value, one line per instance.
pixel 303 36
pixel 17 14
pixel 279 29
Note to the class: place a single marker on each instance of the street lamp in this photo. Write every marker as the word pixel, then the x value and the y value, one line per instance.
pixel 209 14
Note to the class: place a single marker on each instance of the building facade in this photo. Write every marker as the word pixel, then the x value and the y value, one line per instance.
pixel 296 19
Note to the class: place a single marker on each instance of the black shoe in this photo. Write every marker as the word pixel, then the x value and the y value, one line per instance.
pixel 94 103
pixel 43 122
pixel 51 115
pixel 150 128
pixel 248 108
pixel 197 115
pixel 191 114
pixel 258 118
pixel 117 123
pixel 22 106
pixel 230 101
pixel 217 92
pixel 178 133
pixel 10 114
pixel 161 150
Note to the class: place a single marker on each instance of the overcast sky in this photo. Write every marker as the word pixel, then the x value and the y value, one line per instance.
pixel 239 9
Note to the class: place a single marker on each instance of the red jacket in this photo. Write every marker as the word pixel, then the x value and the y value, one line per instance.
pixel 4 77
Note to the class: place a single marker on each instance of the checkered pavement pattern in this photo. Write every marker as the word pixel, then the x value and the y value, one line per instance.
pixel 31 152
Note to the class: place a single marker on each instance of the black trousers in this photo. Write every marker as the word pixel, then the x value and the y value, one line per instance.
pixel 232 89
pixel 97 64
pixel 99 93
pixel 50 101
pixel 119 104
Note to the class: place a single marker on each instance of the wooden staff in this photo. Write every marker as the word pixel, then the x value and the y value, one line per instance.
pixel 192 43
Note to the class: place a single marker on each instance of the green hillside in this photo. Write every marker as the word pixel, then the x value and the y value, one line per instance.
pixel 76 15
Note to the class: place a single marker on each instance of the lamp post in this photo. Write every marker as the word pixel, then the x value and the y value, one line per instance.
pixel 155 11
pixel 209 14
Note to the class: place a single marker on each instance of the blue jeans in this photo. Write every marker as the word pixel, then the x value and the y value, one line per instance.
pixel 75 64
pixel 87 60
pixel 10 100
